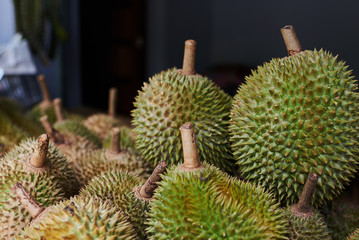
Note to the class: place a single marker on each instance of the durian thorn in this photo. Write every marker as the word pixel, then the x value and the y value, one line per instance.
pixel 115 140
pixel 44 89
pixel 147 189
pixel 190 152
pixel 189 57
pixel 58 110
pixel 55 135
pixel 27 201
pixel 38 158
pixel 112 102
pixel 304 206
pixel 290 39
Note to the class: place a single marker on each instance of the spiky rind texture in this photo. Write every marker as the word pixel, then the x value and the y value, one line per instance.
pixel 117 187
pixel 354 235
pixel 295 116
pixel 98 161
pixel 210 204
pixel 127 139
pixel 59 168
pixel 77 128
pixel 102 124
pixel 171 99
pixel 81 218
pixel 306 228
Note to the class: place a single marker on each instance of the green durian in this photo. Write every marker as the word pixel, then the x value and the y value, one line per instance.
pixel 304 223
pixel 173 97
pixel 354 235
pixel 294 116
pixel 127 138
pixel 198 201
pixel 76 218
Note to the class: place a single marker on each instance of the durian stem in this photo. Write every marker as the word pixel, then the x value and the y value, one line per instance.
pixel 58 110
pixel 44 89
pixel 290 39
pixel 115 140
pixel 147 190
pixel 190 152
pixel 57 137
pixel 189 57
pixel 27 201
pixel 38 158
pixel 112 102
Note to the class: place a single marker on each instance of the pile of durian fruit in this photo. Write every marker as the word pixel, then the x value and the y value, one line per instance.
pixel 271 163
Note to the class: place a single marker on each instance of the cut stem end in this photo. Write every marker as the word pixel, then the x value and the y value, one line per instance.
pixel 38 158
pixel 112 102
pixel 189 57
pixel 115 141
pixel 290 39
pixel 58 110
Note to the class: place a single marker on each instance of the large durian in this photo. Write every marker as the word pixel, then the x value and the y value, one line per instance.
pixel 176 96
pixel 198 201
pixel 76 218
pixel 294 116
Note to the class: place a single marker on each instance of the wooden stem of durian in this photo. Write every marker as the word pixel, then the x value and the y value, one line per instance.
pixel 27 201
pixel 112 102
pixel 290 39
pixel 304 206
pixel 38 158
pixel 46 102
pixel 189 57
pixel 58 110
pixel 115 141
pixel 56 137
pixel 147 190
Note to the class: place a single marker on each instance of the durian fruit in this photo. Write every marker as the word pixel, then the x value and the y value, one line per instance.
pixel 128 138
pixel 76 218
pixel 176 96
pixel 354 235
pixel 198 201
pixel 127 192
pixel 42 170
pixel 294 116
pixel 101 124
pixel 304 222
pixel 96 162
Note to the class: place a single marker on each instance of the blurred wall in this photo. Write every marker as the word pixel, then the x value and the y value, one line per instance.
pixel 7 21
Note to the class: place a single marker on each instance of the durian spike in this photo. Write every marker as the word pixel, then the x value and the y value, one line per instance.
pixel 189 57
pixel 146 191
pixel 27 201
pixel 112 102
pixel 46 102
pixel 290 39
pixel 304 207
pixel 190 152
pixel 38 158
pixel 115 141
pixel 58 110
pixel 57 137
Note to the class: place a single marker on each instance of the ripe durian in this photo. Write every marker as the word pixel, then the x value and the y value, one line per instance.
pixel 294 116
pixel 96 162
pixel 101 124
pixel 124 191
pixel 176 96
pixel 198 201
pixel 304 222
pixel 76 218
pixel 354 235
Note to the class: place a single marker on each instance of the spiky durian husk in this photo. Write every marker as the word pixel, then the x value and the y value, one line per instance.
pixel 17 159
pixel 77 128
pixel 171 99
pixel 354 235
pixel 127 139
pixel 81 218
pixel 209 204
pixel 102 124
pixel 295 116
pixel 117 187
pixel 306 228
pixel 13 216
pixel 99 161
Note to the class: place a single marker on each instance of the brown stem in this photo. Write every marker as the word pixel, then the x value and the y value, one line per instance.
pixel 112 102
pixel 189 57
pixel 146 191
pixel 304 206
pixel 290 39
pixel 56 137
pixel 58 110
pixel 38 158
pixel 44 89
pixel 27 201
pixel 115 141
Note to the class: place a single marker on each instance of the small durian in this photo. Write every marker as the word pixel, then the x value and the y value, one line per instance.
pixel 98 161
pixel 127 192
pixel 294 116
pixel 303 222
pixel 128 138
pixel 101 124
pixel 173 97
pixel 354 235
pixel 76 218
pixel 199 201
